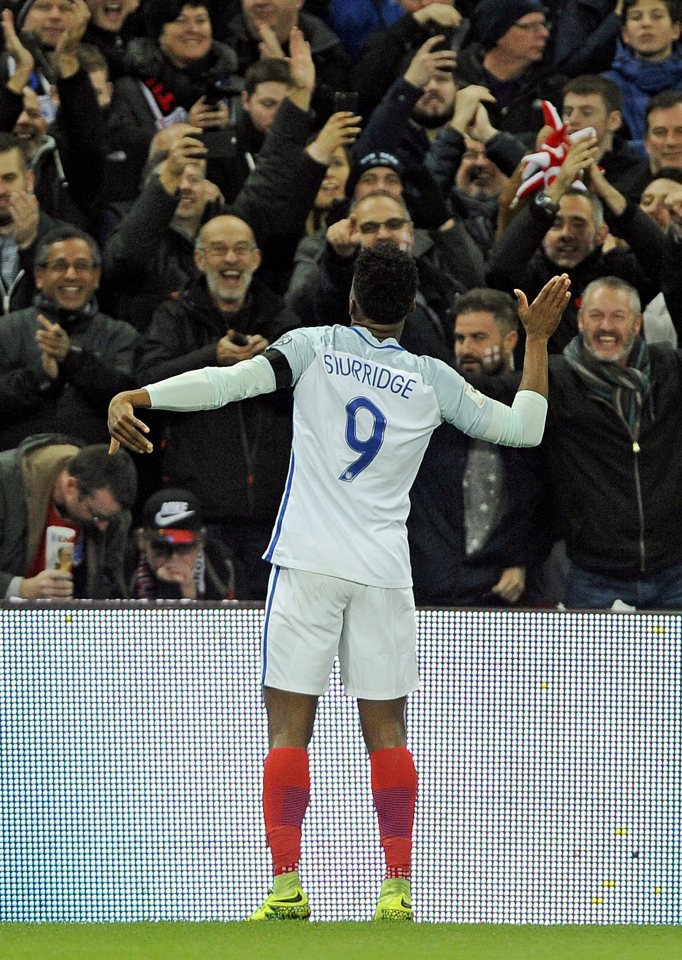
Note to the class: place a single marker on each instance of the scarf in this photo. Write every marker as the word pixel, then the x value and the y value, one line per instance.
pixel 627 389
pixel 66 318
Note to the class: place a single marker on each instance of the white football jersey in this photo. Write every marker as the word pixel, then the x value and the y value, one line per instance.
pixel 364 411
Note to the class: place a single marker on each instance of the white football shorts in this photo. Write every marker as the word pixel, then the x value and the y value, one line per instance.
pixel 311 618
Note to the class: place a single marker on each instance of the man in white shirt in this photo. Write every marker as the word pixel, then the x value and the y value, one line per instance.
pixel 364 410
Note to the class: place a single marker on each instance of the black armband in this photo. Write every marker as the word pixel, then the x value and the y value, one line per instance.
pixel 280 367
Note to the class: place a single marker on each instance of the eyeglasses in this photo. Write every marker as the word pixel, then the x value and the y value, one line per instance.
pixel 374 226
pixel 534 27
pixel 63 266
pixel 96 516
pixel 221 250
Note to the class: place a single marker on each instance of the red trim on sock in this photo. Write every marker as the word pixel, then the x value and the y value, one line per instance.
pixel 286 791
pixel 394 787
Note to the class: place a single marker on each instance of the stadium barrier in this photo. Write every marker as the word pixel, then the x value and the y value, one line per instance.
pixel 132 739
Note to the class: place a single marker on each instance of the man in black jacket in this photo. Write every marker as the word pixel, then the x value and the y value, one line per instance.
pixel 562 229
pixel 223 318
pixel 613 454
pixel 474 527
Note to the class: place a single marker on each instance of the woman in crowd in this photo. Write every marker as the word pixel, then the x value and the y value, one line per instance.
pixel 178 73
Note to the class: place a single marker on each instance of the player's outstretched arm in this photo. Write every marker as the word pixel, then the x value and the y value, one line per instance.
pixel 540 319
pixel 204 389
pixel 124 427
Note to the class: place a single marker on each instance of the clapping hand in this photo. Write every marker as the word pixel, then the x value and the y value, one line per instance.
pixel 54 343
pixel 22 57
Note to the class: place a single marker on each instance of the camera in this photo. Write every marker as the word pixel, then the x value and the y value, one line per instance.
pixel 219 144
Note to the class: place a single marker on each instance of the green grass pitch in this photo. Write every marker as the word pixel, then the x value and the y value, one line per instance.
pixel 334 941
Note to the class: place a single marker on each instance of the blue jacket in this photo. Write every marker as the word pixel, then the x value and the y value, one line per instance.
pixel 639 80
pixel 353 22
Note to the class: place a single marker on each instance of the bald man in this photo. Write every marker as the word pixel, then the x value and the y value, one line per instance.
pixel 222 318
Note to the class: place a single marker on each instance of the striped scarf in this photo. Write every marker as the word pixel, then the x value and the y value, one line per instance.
pixel 625 388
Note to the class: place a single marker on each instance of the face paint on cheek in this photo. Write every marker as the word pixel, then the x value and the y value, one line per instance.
pixel 491 357
pixel 404 242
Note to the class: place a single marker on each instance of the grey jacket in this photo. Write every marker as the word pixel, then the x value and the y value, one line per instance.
pixel 99 364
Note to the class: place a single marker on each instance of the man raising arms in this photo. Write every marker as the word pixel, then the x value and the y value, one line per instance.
pixel 364 409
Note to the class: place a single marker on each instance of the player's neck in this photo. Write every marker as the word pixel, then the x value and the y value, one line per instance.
pixel 380 331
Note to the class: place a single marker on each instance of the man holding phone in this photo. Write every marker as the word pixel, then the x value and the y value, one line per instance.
pixel 150 255
pixel 223 318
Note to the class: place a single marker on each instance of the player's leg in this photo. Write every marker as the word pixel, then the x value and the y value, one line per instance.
pixel 299 644
pixel 286 778
pixel 286 791
pixel 379 667
pixel 394 788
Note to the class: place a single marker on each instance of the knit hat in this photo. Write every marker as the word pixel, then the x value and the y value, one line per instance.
pixel 172 515
pixel 157 13
pixel 378 158
pixel 494 17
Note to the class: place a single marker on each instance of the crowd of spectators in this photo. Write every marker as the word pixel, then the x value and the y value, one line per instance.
pixel 183 182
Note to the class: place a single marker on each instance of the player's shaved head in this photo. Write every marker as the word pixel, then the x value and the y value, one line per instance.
pixel 385 283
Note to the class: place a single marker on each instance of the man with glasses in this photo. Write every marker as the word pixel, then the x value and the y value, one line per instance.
pixel 61 360
pixel 376 217
pixel 222 318
pixel 51 487
pixel 511 61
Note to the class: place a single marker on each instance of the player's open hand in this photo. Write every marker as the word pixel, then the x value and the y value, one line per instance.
pixel 542 316
pixel 125 428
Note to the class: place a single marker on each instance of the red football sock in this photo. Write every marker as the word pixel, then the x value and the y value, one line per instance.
pixel 394 786
pixel 286 791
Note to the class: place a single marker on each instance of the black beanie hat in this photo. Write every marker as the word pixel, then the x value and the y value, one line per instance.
pixel 494 17
pixel 378 158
